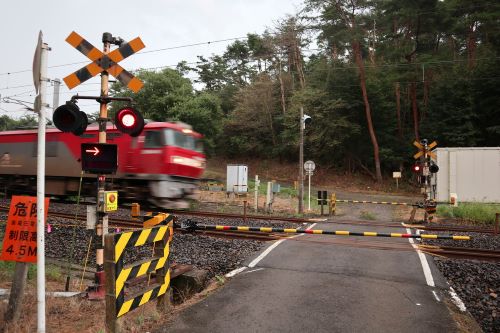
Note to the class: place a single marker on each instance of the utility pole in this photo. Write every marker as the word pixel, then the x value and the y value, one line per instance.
pixel 301 163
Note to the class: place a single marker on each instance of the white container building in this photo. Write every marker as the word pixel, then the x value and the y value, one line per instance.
pixel 473 174
pixel 237 178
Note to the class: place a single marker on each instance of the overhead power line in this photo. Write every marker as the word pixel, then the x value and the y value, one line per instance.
pixel 144 52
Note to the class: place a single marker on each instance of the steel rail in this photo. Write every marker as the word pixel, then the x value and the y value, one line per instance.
pixel 461 252
pixel 125 223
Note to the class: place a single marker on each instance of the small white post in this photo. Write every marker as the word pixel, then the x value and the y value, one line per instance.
pixel 309 204
pixel 257 183
pixel 269 196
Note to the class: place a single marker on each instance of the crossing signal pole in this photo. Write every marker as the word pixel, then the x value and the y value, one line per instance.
pixel 425 168
pixel 102 218
pixel 69 118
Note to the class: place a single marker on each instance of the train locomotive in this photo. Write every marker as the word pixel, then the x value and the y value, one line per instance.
pixel 162 165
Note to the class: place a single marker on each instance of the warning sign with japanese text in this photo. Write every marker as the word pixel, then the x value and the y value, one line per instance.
pixel 19 242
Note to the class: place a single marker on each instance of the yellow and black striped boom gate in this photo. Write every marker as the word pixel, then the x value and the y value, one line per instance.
pixel 428 205
pixel 192 225
pixel 117 273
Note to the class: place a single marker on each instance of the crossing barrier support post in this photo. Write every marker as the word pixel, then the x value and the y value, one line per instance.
pixel 332 204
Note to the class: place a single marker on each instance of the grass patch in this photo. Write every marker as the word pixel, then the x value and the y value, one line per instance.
pixel 477 212
pixel 7 271
pixel 368 215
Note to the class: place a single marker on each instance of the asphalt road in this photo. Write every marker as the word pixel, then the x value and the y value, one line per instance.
pixel 322 283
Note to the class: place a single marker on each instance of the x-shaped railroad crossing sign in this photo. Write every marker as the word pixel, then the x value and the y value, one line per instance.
pixel 104 62
pixel 424 151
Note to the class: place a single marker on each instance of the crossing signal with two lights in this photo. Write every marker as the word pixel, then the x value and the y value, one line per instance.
pixel 128 120
pixel 433 168
pixel 69 118
pixel 416 168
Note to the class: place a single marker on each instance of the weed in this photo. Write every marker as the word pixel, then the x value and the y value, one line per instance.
pixel 220 280
pixel 477 212
pixel 140 319
pixel 368 215
pixel 53 273
pixel 6 269
pixel 155 315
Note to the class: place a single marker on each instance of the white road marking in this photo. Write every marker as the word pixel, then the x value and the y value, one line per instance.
pixel 263 255
pixel 430 280
pixel 458 302
pixel 236 271
pixel 311 226
pixel 253 270
pixel 423 260
pixel 436 296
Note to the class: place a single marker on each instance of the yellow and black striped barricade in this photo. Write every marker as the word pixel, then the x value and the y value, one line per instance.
pixel 117 274
pixel 376 202
pixel 193 225
pixel 150 219
pixel 153 219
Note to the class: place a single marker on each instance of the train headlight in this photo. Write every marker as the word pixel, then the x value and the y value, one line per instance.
pixel 187 161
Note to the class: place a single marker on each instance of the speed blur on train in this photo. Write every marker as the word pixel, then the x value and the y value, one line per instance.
pixel 161 166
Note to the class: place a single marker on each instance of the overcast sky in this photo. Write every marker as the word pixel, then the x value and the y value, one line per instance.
pixel 160 24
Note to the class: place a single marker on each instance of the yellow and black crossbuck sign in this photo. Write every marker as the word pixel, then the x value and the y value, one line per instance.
pixel 116 245
pixel 425 150
pixel 104 62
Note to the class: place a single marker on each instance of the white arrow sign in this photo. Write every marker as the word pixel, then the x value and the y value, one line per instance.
pixel 95 151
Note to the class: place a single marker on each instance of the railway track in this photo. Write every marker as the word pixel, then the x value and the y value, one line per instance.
pixel 129 223
pixel 462 253
pixel 445 251
pixel 136 224
pixel 310 220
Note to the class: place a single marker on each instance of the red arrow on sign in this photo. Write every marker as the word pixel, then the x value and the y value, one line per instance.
pixel 95 151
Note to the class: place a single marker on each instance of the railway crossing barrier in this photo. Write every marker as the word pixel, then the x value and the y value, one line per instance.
pixel 428 205
pixel 192 226
pixel 117 273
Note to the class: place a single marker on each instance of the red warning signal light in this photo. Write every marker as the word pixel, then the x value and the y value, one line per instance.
pixel 416 168
pixel 128 120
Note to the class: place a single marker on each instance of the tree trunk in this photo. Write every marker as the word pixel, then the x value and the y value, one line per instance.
pixel 362 79
pixel 13 311
pixel 298 63
pixel 413 92
pixel 270 117
pixel 471 46
pixel 282 89
pixel 398 110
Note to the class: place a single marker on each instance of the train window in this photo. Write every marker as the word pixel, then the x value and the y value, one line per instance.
pixel 153 139
pixel 87 136
pixel 199 146
pixel 179 139
pixel 111 136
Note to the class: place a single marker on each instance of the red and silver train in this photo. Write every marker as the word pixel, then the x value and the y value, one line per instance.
pixel 162 165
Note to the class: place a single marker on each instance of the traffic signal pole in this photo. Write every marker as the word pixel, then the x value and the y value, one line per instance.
pixel 102 217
